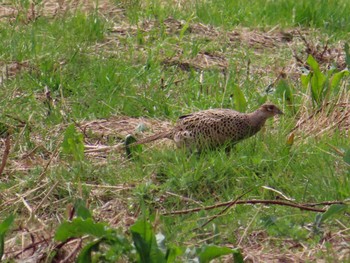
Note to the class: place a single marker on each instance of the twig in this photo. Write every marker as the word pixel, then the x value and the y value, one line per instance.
pixel 324 203
pixel 336 150
pixel 308 47
pixel 183 198
pixel 278 192
pixel 6 153
pixel 114 187
pixel 240 202
pixel 69 241
pixel 208 238
pixel 229 205
pixel 31 211
pixel 73 252
pixel 33 245
pixel 45 197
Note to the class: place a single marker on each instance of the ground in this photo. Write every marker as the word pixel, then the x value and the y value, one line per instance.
pixel 39 183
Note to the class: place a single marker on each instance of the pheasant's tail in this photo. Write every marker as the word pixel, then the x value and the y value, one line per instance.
pixel 130 141
pixel 152 138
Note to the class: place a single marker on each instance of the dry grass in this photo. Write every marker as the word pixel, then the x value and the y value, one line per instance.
pixel 50 8
pixel 261 248
pixel 33 239
pixel 328 119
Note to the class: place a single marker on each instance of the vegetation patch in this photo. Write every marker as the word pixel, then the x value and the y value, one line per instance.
pixel 80 78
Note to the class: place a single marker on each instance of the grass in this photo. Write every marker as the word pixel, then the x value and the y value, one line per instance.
pixel 330 16
pixel 133 61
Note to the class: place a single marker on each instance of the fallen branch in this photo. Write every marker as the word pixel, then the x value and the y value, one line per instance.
pixel 33 246
pixel 231 203
pixel 324 203
pixel 240 202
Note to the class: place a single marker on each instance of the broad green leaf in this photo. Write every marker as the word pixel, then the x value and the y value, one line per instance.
pixel 317 79
pixel 6 224
pixel 331 211
pixel 79 227
pixel 85 255
pixel 337 77
pixel 4 227
pixel 81 210
pixel 316 89
pixel 305 80
pixel 239 99
pixel 313 64
pixel 209 253
pixel 145 242
pixel 73 143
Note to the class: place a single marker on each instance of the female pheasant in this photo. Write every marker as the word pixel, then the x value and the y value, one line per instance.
pixel 215 127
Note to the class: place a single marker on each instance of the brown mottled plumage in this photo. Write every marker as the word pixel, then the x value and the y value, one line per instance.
pixel 215 127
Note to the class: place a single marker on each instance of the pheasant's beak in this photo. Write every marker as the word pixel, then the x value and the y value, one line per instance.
pixel 278 111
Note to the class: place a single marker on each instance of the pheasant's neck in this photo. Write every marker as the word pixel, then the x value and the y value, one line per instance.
pixel 257 119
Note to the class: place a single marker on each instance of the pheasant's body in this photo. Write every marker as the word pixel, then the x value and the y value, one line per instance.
pixel 215 127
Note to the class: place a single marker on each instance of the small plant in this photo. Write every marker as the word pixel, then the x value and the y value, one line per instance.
pixel 108 245
pixel 322 85
pixel 73 144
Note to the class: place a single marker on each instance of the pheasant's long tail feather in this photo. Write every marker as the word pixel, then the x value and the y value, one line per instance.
pixel 162 135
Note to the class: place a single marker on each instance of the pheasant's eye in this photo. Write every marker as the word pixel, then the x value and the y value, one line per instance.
pixel 270 108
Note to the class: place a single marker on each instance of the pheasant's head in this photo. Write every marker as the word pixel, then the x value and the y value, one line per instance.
pixel 270 110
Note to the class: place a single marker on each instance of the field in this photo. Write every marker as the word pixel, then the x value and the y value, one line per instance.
pixel 77 77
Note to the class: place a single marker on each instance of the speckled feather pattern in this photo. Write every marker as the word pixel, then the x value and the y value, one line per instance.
pixel 212 128
pixel 216 127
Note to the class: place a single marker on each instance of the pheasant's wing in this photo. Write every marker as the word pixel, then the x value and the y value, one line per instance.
pixel 211 127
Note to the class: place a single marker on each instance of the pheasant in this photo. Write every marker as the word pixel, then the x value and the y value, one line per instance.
pixel 215 127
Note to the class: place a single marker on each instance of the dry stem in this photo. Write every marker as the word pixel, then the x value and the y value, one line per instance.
pixel 6 153
pixel 304 206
